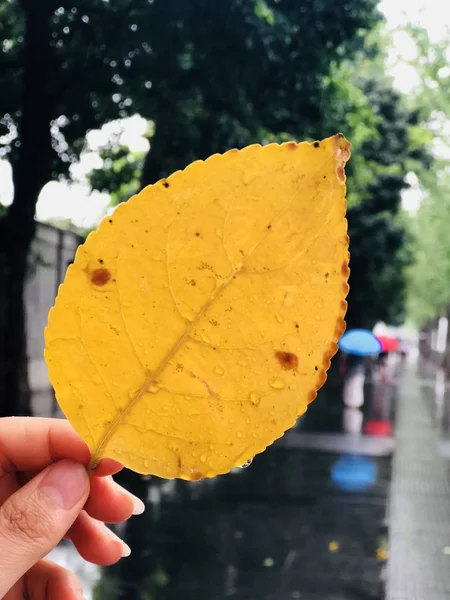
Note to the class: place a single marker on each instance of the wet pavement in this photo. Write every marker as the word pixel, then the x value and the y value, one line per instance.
pixel 307 520
pixel 419 511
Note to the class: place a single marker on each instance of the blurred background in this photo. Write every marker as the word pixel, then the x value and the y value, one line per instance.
pixel 99 98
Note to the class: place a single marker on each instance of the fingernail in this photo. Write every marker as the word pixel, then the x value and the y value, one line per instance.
pixel 138 505
pixel 66 483
pixel 126 550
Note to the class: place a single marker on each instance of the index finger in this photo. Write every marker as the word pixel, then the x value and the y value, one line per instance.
pixel 32 443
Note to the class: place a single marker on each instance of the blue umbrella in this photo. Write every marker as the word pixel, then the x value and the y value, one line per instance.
pixel 354 473
pixel 361 342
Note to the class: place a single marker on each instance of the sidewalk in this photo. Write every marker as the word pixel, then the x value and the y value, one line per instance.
pixel 419 510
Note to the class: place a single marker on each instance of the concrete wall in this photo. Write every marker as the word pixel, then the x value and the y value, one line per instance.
pixel 52 251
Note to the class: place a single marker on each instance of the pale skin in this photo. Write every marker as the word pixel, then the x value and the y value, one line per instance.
pixel 46 494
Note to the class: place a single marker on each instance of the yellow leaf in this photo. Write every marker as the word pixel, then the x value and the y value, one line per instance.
pixel 382 554
pixel 333 546
pixel 198 322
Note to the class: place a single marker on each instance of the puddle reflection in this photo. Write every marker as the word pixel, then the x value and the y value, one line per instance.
pixel 297 523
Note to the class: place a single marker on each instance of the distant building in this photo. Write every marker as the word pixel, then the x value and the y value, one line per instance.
pixel 52 251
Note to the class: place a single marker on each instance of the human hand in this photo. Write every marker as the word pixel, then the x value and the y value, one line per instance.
pixel 45 495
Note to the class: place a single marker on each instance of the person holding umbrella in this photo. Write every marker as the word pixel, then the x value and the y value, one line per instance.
pixel 357 344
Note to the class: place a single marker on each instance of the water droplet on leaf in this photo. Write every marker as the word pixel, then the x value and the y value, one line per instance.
pixel 246 464
pixel 277 384
pixel 255 398
pixel 219 370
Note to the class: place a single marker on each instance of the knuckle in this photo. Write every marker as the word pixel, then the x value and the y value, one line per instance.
pixel 25 522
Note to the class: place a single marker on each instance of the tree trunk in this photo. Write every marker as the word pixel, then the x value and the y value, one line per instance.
pixel 14 389
pixel 31 165
pixel 155 163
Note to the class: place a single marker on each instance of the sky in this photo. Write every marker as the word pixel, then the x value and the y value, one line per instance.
pixel 85 208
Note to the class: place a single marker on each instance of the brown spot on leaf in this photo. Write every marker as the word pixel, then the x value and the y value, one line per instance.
pixel 291 145
pixel 316 144
pixel 316 368
pixel 100 260
pixel 100 276
pixel 287 360
pixel 179 367
pixel 197 233
pixel 340 172
pixel 193 282
pixel 345 269
pixel 269 226
pixel 340 328
pixel 322 379
pixel 297 325
pixel 327 275
pixel 205 266
pixel 342 152
pixel 333 349
pixel 312 395
pixel 166 184
pixel 196 475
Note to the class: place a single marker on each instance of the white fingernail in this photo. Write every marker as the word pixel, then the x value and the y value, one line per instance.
pixel 138 505
pixel 126 550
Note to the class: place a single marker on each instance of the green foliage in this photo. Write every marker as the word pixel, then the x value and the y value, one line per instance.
pixel 215 75
pixel 120 173
pixel 429 276
pixel 211 75
pixel 388 141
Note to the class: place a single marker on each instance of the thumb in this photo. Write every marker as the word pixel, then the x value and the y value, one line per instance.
pixel 37 516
